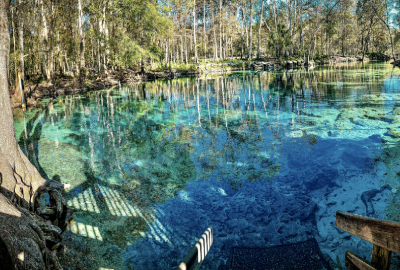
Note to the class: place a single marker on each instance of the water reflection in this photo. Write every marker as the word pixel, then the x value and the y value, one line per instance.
pixel 265 158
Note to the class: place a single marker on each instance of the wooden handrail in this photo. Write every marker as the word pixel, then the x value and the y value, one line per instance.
pixel 196 255
pixel 385 235
pixel 354 262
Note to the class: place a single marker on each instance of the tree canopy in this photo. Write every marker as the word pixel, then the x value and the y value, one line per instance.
pixel 53 36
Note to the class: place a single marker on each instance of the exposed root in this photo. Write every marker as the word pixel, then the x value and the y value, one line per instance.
pixel 27 238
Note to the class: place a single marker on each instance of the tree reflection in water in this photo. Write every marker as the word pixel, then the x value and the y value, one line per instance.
pixel 126 151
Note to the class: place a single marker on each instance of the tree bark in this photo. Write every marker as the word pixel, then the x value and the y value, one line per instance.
pixel 250 30
pixel 81 40
pixel 45 39
pixel 259 28
pixel 215 38
pixel 50 66
pixel 194 32
pixel 220 29
pixel 204 21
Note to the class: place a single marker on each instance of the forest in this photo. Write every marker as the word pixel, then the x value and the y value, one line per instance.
pixel 50 37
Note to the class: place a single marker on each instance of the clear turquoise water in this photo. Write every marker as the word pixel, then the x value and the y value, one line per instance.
pixel 264 158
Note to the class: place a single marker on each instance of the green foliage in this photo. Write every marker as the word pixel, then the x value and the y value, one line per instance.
pixel 377 56
pixel 293 58
pixel 178 66
pixel 131 53
pixel 157 52
pixel 322 58
pixel 88 84
pixel 280 39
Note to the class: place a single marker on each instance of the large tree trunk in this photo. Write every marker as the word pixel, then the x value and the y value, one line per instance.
pixel 24 238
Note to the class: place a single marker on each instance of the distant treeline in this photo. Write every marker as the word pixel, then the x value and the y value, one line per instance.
pixel 54 36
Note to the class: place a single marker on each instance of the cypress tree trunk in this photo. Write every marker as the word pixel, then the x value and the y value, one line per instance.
pixel 81 41
pixel 259 29
pixel 45 37
pixel 220 29
pixel 215 38
pixel 250 29
pixel 186 50
pixel 194 32
pixel 204 21
pixel 24 238
pixel 50 66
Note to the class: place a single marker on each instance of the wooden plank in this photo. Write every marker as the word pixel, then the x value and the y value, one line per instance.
pixel 383 233
pixel 196 255
pixel 381 257
pixel 354 262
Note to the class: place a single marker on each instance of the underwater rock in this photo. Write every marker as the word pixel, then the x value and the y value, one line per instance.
pixel 325 176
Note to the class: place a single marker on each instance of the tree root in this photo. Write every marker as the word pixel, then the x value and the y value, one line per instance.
pixel 27 238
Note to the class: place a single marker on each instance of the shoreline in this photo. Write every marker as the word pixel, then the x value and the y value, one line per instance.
pixel 68 84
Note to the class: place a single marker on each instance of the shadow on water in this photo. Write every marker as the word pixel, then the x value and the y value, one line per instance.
pixel 103 215
pixel 30 138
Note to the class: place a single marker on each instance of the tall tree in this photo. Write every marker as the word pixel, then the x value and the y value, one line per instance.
pixel 204 29
pixel 194 32
pixel 259 28
pixel 22 235
pixel 251 30
pixel 81 39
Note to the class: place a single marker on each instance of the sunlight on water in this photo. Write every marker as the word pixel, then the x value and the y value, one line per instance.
pixel 263 158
